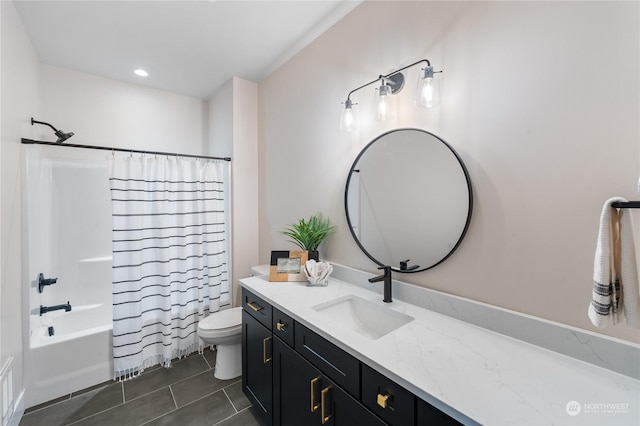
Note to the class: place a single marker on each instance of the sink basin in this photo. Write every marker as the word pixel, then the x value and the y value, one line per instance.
pixel 364 317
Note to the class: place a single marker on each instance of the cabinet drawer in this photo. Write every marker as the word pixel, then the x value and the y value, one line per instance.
pixel 428 414
pixel 338 365
pixel 257 308
pixel 386 398
pixel 282 326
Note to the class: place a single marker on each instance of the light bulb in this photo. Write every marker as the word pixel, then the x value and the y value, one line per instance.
pixel 349 117
pixel 428 94
pixel 383 111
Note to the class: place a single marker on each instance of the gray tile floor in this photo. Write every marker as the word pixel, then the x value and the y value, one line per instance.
pixel 185 394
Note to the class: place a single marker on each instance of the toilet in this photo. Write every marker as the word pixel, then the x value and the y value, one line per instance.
pixel 224 330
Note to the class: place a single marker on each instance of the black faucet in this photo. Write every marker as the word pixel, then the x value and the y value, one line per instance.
pixel 386 277
pixel 45 309
pixel 404 266
pixel 42 282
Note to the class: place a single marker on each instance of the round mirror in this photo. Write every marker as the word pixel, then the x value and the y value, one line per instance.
pixel 408 200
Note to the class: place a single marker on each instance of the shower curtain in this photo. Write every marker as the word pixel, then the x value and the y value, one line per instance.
pixel 170 257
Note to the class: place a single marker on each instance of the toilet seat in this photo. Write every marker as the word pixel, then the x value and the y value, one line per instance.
pixel 221 324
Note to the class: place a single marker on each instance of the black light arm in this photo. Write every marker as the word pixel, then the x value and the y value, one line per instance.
pixel 62 136
pixel 383 77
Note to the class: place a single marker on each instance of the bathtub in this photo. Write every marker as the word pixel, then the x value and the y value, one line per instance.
pixel 78 355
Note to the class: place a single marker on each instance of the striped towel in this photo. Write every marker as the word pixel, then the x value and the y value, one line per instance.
pixel 615 274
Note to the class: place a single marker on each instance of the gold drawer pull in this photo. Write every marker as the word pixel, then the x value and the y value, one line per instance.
pixel 314 382
pixel 253 306
pixel 325 417
pixel 382 400
pixel 264 349
pixel 281 326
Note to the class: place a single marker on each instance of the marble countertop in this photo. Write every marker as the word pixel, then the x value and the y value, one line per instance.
pixel 471 373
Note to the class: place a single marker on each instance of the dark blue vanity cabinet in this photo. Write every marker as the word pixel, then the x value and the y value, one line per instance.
pixel 295 377
pixel 257 350
pixel 303 395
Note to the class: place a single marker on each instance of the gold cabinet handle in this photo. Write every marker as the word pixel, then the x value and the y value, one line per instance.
pixel 253 306
pixel 382 400
pixel 281 326
pixel 314 383
pixel 264 350
pixel 323 412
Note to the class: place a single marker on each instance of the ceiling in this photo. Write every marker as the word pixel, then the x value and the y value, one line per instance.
pixel 187 47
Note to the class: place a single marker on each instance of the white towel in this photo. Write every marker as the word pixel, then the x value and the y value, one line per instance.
pixel 629 271
pixel 615 274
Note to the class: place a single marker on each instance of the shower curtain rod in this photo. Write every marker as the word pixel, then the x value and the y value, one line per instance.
pixel 108 148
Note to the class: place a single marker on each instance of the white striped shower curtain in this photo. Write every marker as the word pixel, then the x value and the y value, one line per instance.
pixel 170 257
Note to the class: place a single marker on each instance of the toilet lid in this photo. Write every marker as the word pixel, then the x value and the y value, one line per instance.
pixel 222 319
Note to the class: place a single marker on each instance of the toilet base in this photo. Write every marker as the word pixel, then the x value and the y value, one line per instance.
pixel 228 361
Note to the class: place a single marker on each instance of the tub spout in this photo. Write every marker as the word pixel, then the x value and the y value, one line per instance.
pixel 45 309
pixel 42 282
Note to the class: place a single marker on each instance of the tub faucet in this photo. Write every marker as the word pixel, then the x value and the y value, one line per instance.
pixel 386 277
pixel 42 282
pixel 45 309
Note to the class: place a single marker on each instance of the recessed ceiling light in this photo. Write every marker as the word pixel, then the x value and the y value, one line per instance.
pixel 141 72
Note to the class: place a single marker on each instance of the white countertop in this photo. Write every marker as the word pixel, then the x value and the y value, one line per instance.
pixel 490 378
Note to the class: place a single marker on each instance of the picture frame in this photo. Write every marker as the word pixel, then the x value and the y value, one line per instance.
pixel 287 265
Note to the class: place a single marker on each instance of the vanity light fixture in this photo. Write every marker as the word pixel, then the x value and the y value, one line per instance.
pixel 427 96
pixel 349 119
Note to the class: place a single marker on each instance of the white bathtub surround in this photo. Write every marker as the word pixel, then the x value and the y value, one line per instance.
pixel 67 236
pixel 472 373
pixel 170 257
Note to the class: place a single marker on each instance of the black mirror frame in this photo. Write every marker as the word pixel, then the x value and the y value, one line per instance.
pixel 466 226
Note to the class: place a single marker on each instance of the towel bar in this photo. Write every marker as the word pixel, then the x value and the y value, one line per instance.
pixel 627 205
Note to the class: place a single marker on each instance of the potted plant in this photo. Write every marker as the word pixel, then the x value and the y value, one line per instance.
pixel 308 234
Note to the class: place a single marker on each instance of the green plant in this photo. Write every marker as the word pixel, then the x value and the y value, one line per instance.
pixel 308 234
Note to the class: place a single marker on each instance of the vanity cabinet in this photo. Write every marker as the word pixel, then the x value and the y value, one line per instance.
pixel 257 354
pixel 387 399
pixel 303 395
pixel 294 376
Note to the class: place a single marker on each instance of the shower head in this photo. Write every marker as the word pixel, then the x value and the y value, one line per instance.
pixel 62 136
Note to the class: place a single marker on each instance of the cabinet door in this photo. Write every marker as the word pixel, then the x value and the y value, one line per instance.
pixel 341 409
pixel 304 396
pixel 257 365
pixel 293 379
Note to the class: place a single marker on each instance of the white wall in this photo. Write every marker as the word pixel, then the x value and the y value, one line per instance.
pixel 245 177
pixel 540 99
pixel 106 112
pixel 20 99
pixel 221 121
pixel 233 119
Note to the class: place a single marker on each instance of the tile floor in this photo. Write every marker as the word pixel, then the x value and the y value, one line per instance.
pixel 185 394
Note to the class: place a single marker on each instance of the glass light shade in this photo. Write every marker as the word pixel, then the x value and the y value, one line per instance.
pixel 428 93
pixel 384 110
pixel 349 117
